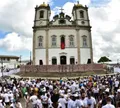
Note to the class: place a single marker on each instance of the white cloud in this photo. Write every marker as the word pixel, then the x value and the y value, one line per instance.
pixel 15 42
pixel 18 15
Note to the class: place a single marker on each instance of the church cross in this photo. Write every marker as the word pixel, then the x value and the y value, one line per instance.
pixel 61 9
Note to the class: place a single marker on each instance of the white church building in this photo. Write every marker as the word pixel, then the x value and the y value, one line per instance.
pixel 62 40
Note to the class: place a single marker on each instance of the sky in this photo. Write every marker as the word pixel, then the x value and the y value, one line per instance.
pixel 17 16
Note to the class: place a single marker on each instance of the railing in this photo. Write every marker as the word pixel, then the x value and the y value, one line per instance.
pixel 61 68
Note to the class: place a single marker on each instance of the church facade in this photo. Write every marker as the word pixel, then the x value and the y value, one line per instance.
pixel 63 40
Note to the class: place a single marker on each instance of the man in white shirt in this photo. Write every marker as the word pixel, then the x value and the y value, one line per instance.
pixel 1 105
pixel 78 101
pixel 108 105
pixel 71 103
pixel 91 102
pixel 6 97
pixel 33 100
pixel 116 85
pixel 63 101
pixel 39 103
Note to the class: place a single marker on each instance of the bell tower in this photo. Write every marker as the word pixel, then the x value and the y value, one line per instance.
pixel 42 15
pixel 80 15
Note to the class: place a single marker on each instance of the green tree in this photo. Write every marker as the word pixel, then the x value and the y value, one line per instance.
pixel 104 59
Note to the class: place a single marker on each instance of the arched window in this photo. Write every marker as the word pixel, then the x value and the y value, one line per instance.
pixel 54 61
pixel 62 42
pixel 41 14
pixel 72 60
pixel 54 43
pixel 40 41
pixel 81 14
pixel 84 41
pixel 71 41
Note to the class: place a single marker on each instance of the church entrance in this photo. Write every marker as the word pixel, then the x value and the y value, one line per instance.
pixel 62 60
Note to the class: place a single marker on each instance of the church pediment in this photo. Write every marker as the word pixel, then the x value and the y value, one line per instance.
pixel 61 19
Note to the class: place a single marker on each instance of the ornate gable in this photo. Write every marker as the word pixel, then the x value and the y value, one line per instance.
pixel 61 20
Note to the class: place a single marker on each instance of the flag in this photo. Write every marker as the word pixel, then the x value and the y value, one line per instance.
pixel 62 45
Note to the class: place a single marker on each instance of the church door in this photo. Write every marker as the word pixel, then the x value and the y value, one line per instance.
pixel 40 62
pixel 63 60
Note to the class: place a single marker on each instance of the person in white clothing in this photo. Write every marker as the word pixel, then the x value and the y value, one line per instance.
pixel 1 104
pixel 63 101
pixel 6 97
pixel 39 103
pixel 108 105
pixel 91 102
pixel 71 102
pixel 33 100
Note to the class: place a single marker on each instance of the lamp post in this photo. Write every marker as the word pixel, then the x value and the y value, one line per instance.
pixel 20 59
pixel 30 57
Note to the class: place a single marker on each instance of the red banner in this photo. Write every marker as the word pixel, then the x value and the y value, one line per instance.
pixel 62 45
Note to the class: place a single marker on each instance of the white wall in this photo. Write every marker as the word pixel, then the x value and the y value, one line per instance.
pixel 84 55
pixel 58 32
pixel 59 52
pixel 40 54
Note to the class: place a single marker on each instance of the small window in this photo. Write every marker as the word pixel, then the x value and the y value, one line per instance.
pixel 72 60
pixel 54 41
pixel 84 41
pixel 40 41
pixel 42 14
pixel 71 41
pixel 81 14
pixel 54 61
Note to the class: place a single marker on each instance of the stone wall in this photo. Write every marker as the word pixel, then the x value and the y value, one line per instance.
pixel 62 68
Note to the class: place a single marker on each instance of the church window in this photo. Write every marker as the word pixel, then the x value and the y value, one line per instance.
pixel 72 60
pixel 62 42
pixel 81 14
pixel 71 41
pixel 41 14
pixel 84 41
pixel 40 41
pixel 54 41
pixel 54 61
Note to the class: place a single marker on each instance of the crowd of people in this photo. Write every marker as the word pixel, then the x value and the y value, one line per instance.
pixel 86 92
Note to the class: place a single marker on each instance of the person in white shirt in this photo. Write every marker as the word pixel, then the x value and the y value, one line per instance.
pixel 116 85
pixel 71 102
pixel 78 101
pixel 6 97
pixel 18 104
pixel 108 105
pixel 83 99
pixel 33 99
pixel 44 100
pixel 1 104
pixel 39 103
pixel 62 101
pixel 11 96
